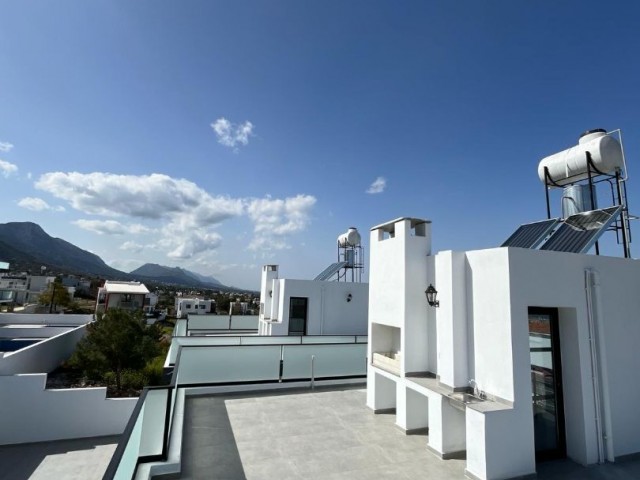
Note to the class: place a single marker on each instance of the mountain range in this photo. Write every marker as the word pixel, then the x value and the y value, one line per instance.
pixel 27 247
pixel 174 275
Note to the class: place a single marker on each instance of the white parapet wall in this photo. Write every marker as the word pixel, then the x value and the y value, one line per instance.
pixel 44 356
pixel 30 413
pixel 43 319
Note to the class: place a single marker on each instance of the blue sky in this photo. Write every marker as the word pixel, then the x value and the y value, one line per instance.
pixel 110 109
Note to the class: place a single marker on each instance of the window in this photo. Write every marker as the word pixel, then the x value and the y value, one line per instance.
pixel 201 307
pixel 188 306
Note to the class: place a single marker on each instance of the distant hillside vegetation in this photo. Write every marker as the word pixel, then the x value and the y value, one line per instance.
pixel 27 246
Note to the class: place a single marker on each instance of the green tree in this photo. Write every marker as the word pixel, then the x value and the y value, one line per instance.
pixel 118 341
pixel 222 303
pixel 55 295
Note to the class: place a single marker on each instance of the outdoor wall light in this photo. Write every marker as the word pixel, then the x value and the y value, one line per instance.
pixel 349 297
pixel 432 295
pixel 270 293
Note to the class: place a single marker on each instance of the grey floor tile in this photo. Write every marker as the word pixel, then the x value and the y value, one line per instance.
pixel 327 435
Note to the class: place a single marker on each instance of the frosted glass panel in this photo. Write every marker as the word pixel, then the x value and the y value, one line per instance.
pixel 210 340
pixel 209 322
pixel 188 341
pixel 330 360
pixel 229 364
pixel 264 340
pixel 180 329
pixel 244 322
pixel 129 459
pixel 155 407
pixel 173 351
pixel 329 339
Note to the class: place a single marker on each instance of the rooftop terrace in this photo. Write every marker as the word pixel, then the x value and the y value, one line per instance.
pixel 325 434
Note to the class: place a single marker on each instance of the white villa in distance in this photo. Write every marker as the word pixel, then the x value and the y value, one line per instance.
pixel 530 351
pixel 319 306
pixel 125 295
pixel 193 306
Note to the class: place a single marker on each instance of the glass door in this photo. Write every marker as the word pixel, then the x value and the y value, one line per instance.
pixel 298 316
pixel 546 383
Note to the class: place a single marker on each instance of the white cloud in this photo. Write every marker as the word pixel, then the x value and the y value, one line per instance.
pixel 230 134
pixel 275 218
pixel 132 247
pixel 268 243
pixel 110 227
pixel 377 186
pixel 7 168
pixel 5 147
pixel 154 196
pixel 38 205
pixel 192 243
pixel 183 214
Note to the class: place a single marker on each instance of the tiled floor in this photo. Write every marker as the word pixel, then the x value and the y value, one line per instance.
pixel 82 459
pixel 325 435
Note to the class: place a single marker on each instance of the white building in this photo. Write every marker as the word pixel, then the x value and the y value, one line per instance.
pixel 317 307
pixel 515 324
pixel 124 295
pixel 193 306
pixel 529 353
pixel 24 288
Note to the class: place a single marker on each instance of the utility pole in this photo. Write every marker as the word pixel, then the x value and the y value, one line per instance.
pixel 53 293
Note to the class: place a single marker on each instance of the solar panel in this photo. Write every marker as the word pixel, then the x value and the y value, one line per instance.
pixel 530 235
pixel 330 271
pixel 579 232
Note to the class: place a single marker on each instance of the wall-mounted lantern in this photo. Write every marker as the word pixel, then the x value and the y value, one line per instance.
pixel 349 297
pixel 270 293
pixel 432 295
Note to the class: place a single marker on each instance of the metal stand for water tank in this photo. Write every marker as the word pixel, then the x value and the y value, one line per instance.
pixel 621 228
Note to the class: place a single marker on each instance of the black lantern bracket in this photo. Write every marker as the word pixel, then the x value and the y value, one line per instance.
pixel 432 295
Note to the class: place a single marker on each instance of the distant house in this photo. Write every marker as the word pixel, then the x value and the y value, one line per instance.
pixel 319 306
pixel 125 295
pixel 193 306
pixel 150 302
pixel 23 288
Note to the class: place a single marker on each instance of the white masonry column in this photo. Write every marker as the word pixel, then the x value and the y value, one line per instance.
pixel 452 319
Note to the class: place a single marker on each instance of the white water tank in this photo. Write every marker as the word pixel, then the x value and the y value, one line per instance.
pixel 570 165
pixel 349 239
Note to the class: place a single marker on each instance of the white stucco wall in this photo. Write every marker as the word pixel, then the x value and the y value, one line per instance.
pixel 43 319
pixel 30 413
pixel 329 312
pixel 558 280
pixel 490 314
pixel 481 331
pixel 399 275
pixel 42 357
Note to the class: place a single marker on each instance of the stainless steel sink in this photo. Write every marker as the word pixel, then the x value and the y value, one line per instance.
pixel 460 399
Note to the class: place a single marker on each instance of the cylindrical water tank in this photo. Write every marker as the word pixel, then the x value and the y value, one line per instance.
pixel 349 239
pixel 577 199
pixel 570 165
